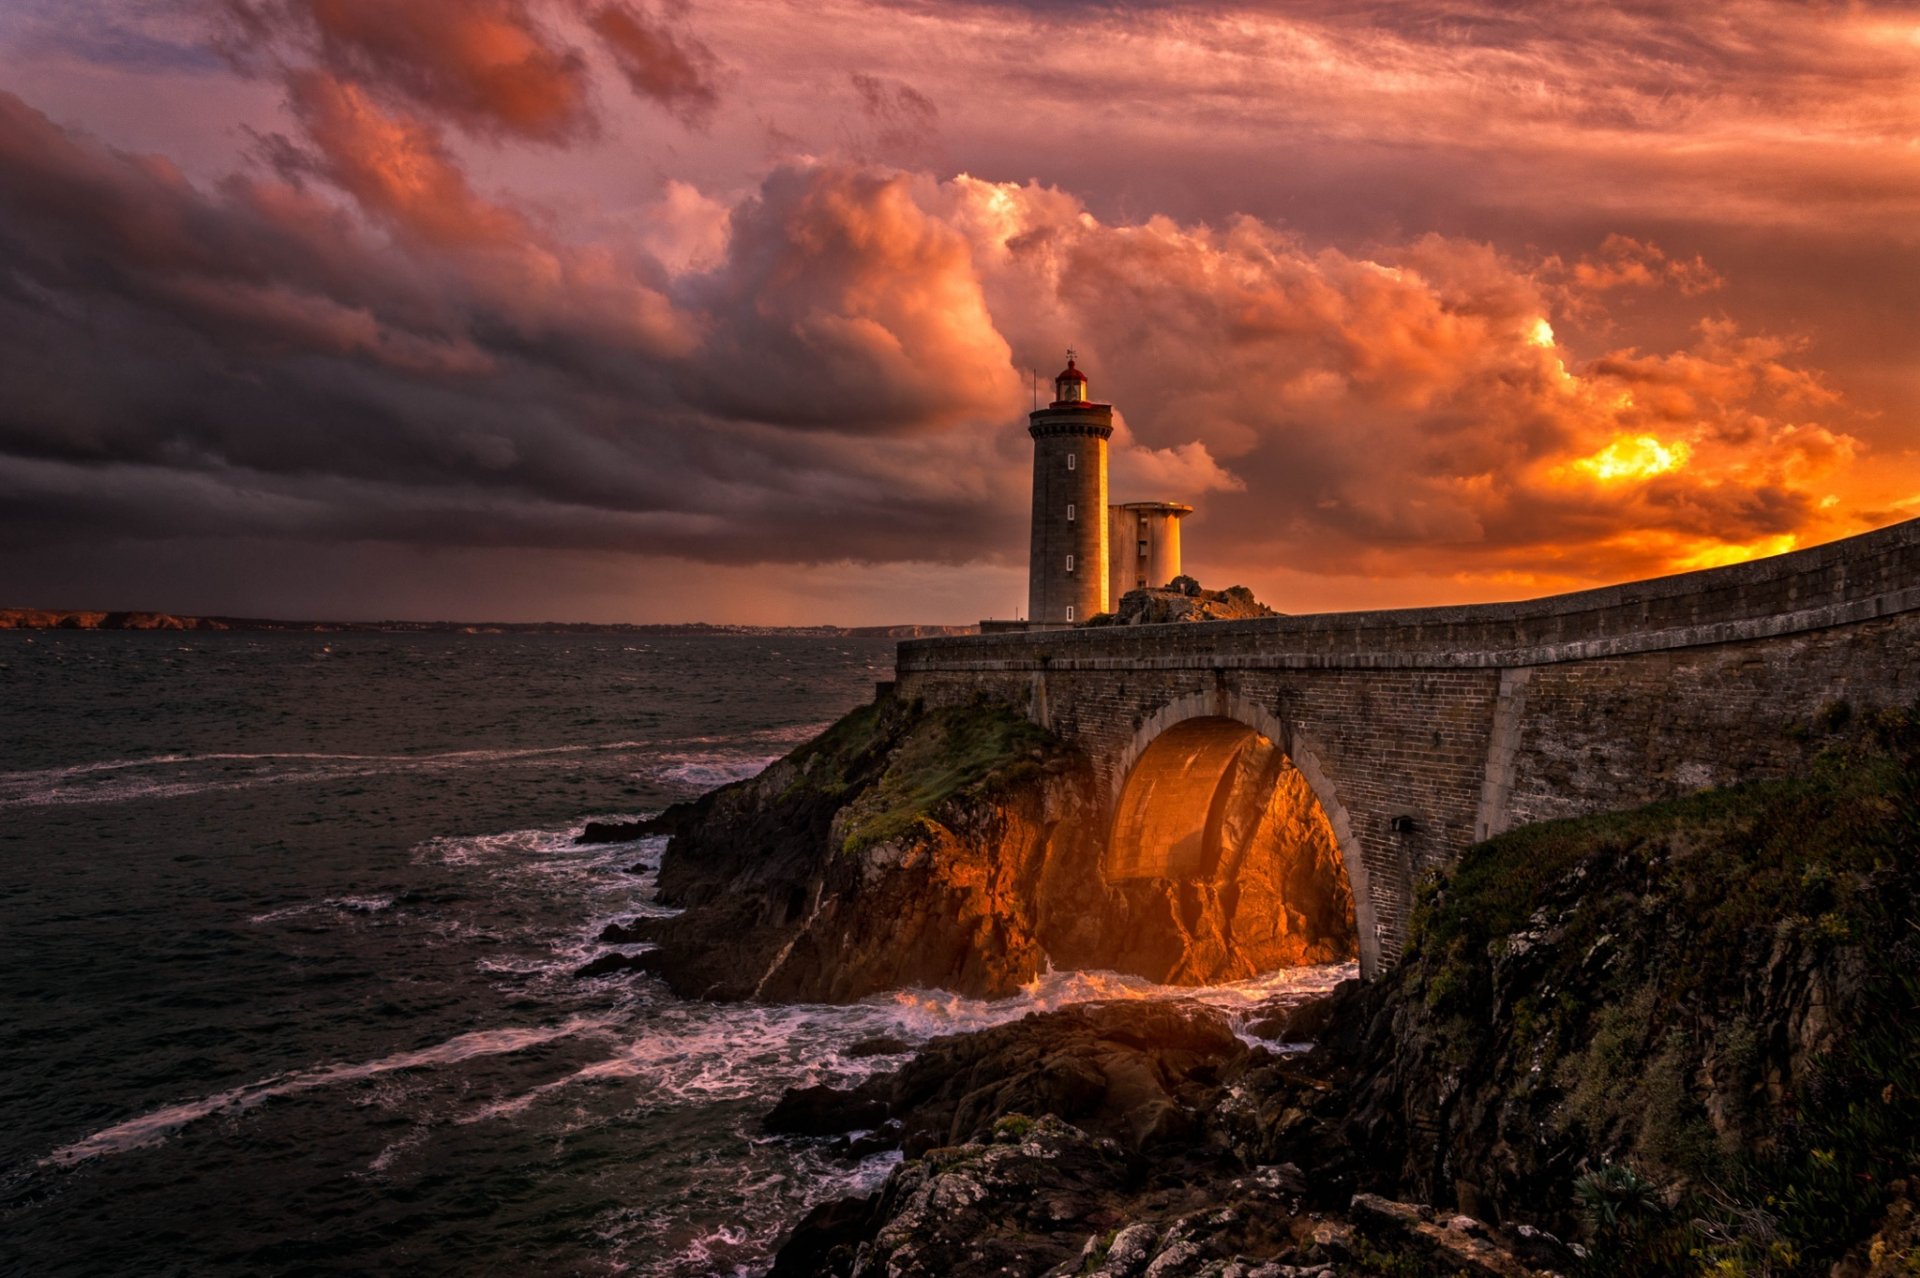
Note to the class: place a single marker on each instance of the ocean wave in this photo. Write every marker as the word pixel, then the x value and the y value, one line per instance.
pixel 155 1126
pixel 710 771
pixel 173 775
pixel 679 761
pixel 703 1053
pixel 337 904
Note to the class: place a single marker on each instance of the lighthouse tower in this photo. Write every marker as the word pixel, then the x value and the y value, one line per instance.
pixel 1067 573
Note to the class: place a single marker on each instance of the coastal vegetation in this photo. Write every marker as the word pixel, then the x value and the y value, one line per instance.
pixel 1706 1010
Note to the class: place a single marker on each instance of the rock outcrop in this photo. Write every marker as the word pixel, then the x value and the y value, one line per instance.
pixel 1687 1036
pixel 901 848
pixel 1183 599
pixel 1082 1142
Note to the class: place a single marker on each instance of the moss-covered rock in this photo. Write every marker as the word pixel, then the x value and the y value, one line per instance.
pixel 972 751
pixel 1720 994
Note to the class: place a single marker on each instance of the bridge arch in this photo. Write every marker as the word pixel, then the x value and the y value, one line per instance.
pixel 1170 786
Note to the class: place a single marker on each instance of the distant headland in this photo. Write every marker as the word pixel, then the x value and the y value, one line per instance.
pixel 84 619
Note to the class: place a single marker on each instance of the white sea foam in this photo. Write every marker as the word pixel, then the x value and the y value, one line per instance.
pixel 715 768
pixel 702 1053
pixel 334 904
pixel 153 1127
pixel 174 775
pixel 764 1206
pixel 415 1137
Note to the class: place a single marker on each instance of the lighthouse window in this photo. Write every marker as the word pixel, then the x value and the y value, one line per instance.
pixel 1143 548
pixel 1069 612
pixel 1069 512
pixel 1069 563
pixel 1072 458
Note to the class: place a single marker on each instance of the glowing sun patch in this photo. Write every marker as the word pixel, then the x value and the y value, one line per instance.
pixel 1634 457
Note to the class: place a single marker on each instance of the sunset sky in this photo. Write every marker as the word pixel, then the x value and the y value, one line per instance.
pixel 725 310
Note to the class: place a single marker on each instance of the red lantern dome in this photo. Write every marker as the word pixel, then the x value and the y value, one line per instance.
pixel 1070 387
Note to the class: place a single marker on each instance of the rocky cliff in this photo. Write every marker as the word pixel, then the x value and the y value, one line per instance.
pixel 962 848
pixel 1687 1036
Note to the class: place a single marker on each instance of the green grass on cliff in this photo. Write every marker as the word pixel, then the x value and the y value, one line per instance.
pixel 896 763
pixel 1630 976
pixel 951 751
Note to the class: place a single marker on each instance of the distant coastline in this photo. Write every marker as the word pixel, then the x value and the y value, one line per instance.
pixel 87 619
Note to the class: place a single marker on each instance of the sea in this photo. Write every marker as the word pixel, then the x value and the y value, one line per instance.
pixel 289 928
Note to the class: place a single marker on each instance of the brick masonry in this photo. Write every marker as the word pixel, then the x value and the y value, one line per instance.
pixel 1424 729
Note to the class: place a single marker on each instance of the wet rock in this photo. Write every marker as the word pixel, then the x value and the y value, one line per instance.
pixel 878 1045
pixel 628 933
pixel 615 961
pixel 628 831
pixel 1295 1023
pixel 826 1240
pixel 865 1144
pixel 1139 1073
pixel 1021 1204
pixel 827 1111
pixel 638 867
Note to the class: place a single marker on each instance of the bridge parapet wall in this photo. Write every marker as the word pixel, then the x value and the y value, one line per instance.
pixel 1425 729
pixel 1857 579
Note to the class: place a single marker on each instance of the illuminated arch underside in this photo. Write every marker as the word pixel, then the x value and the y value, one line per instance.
pixel 1216 825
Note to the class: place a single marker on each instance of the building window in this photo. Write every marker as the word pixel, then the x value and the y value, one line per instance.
pixel 1069 563
pixel 1073 460
pixel 1069 512
pixel 1140 584
pixel 1143 549
pixel 1069 612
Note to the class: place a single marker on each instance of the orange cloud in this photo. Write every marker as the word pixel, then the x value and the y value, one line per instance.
pixel 1416 398
pixel 672 69
pixel 486 65
pixel 845 305
pixel 498 69
pixel 396 167
pixel 1624 262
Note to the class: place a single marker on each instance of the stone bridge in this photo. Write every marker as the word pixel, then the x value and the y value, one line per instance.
pixel 1422 730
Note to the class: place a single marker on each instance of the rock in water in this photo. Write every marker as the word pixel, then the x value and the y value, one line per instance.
pixel 628 831
pixel 827 1111
pixel 615 961
pixel 1140 1073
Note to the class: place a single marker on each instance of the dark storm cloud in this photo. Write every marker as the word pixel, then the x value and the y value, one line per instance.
pixel 372 335
pixel 486 386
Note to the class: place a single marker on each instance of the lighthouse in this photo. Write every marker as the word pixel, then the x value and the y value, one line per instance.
pixel 1068 571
